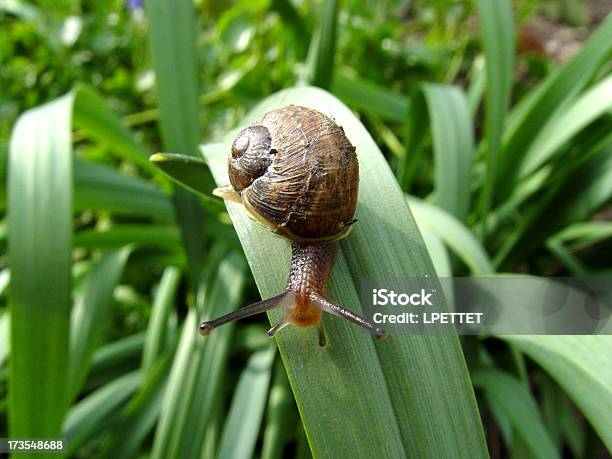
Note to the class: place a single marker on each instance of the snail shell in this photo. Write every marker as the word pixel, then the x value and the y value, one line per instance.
pixel 297 173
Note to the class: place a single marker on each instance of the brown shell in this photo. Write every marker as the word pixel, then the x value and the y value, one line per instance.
pixel 308 191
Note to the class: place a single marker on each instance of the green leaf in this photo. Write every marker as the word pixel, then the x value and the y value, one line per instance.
pixel 279 414
pixel 172 40
pixel 565 256
pixel 96 412
pixel 197 375
pixel 369 97
pixel 39 249
pixel 415 130
pixel 157 330
pixel 290 18
pixel 246 411
pixel 3 172
pixel 560 416
pixel 549 99
pixel 437 251
pixel 90 313
pixel 164 237
pixel 188 171
pixel 92 114
pixel 99 187
pixel 515 401
pixel 140 414
pixel 368 388
pixel 4 336
pixel 454 234
pixel 498 42
pixel 477 85
pixel 453 141
pixel 581 366
pixel 560 129
pixel 115 359
pixel 581 190
pixel 320 64
pixel 585 233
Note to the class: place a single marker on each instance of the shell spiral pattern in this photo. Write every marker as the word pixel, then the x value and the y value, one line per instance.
pixel 297 173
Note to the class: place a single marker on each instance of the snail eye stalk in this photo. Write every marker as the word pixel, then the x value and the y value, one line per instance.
pixel 247 311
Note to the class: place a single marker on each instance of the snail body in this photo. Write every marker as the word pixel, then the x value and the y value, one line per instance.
pixel 295 171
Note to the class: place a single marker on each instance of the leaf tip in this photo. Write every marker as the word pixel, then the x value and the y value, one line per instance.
pixel 158 158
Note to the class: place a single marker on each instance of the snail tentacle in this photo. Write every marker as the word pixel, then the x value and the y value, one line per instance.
pixel 344 313
pixel 278 326
pixel 228 193
pixel 321 332
pixel 266 305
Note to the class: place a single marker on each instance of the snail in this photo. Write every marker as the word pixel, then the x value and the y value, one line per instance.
pixel 295 171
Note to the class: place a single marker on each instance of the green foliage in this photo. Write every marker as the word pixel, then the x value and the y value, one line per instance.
pixel 246 411
pixel 516 403
pixel 498 43
pixel 503 157
pixel 453 146
pixel 40 257
pixel 581 366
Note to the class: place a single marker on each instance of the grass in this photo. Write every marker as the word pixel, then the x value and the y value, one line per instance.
pixel 466 169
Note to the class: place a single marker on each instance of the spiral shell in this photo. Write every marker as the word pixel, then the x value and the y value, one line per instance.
pixel 297 173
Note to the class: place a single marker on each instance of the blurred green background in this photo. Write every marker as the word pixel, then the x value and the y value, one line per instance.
pixel 494 118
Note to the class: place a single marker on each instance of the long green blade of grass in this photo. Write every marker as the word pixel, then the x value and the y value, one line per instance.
pixel 581 366
pixel 453 140
pixel 498 42
pixel 246 411
pixel 99 187
pixel 162 237
pixel 370 97
pixel 40 233
pixel 4 335
pixel 437 251
pixel 585 233
pixel 279 416
pixel 559 416
pixel 90 313
pixel 320 65
pixel 172 41
pixel 356 395
pixel 477 85
pixel 415 130
pixel 515 401
pixel 454 234
pixel 158 329
pixel 115 359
